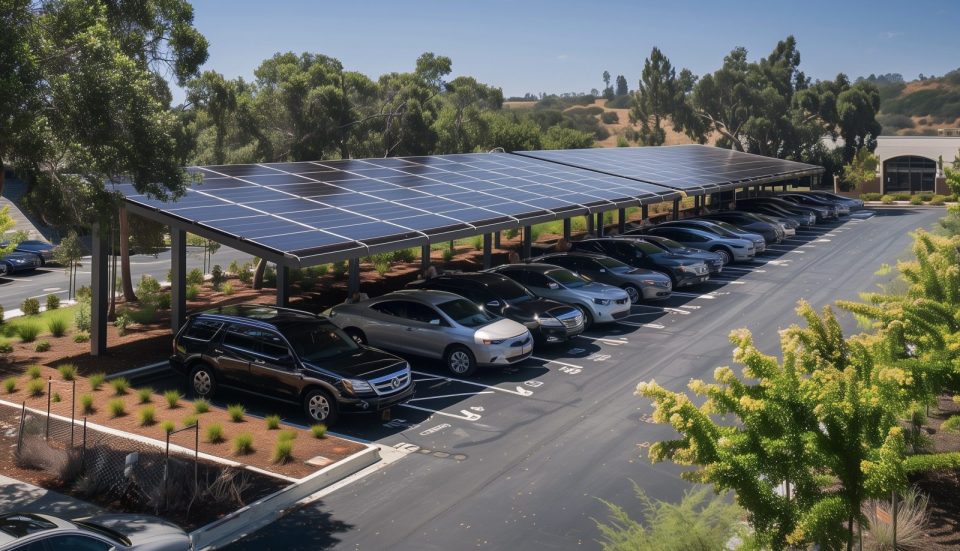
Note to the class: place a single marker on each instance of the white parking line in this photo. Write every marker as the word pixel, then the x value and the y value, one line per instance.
pixel 822 240
pixel 695 295
pixel 748 270
pixel 656 310
pixel 479 392
pixel 520 391
pixel 465 415
pixel 605 340
pixel 555 362
pixel 690 307
pixel 647 325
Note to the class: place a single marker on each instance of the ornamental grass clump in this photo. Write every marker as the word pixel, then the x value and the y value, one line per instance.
pixel 36 387
pixel 319 430
pixel 236 412
pixel 86 404
pixel 148 416
pixel 145 395
pixel 117 407
pixel 243 443
pixel 215 433
pixel 68 372
pixel 34 371
pixel 168 427
pixel 10 385
pixel 120 386
pixel 282 451
pixel 96 380
pixel 273 422
pixel 173 398
pixel 201 406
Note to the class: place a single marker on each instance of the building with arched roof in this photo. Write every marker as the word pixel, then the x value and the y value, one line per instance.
pixel 911 164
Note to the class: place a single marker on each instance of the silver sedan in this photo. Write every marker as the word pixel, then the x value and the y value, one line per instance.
pixel 435 324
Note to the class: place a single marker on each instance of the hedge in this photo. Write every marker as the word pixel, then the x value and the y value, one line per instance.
pixel 931 462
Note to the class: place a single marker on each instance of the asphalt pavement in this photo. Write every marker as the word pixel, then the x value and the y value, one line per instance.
pixel 522 458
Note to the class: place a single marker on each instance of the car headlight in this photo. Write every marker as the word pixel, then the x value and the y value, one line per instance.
pixel 355 386
pixel 649 282
pixel 601 301
pixel 492 341
pixel 738 246
pixel 687 269
pixel 550 321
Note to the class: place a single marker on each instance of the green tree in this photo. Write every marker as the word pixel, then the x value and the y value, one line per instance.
pixel 460 124
pixel 814 434
pixel 657 96
pixel 6 224
pixel 861 170
pixel 558 137
pixel 622 88
pixel 68 253
pixel 952 174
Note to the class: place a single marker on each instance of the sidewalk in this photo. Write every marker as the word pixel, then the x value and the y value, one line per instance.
pixel 17 496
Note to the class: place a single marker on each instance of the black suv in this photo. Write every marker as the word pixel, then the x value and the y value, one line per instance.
pixel 682 270
pixel 288 355
pixel 548 320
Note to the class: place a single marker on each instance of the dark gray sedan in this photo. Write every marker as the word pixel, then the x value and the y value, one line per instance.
pixel 639 283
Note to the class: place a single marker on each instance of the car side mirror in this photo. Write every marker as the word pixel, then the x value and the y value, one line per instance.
pixel 603 270
pixel 493 305
pixel 286 360
pixel 435 321
pixel 553 286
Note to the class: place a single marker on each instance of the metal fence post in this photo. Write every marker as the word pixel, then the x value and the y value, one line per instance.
pixel 196 459
pixel 46 430
pixel 83 454
pixel 23 416
pixel 73 410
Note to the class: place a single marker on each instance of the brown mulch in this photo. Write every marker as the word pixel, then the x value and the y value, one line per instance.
pixel 942 487
pixel 306 447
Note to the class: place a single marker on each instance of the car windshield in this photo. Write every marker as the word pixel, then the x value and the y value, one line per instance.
pixel 566 278
pixel 726 225
pixel 320 341
pixel 465 313
pixel 672 245
pixel 513 293
pixel 647 247
pixel 19 525
pixel 614 265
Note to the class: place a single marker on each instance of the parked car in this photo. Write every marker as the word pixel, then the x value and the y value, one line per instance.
pixel 713 261
pixel 852 204
pixel 788 225
pixel 723 229
pixel 42 249
pixel 548 320
pixel 732 249
pixel 106 532
pixel 639 283
pixel 837 208
pixel 291 356
pixel 681 270
pixel 820 213
pixel 436 324
pixel 598 302
pixel 801 218
pixel 772 232
pixel 14 262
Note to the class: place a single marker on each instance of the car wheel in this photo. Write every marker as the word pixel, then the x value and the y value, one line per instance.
pixel 320 407
pixel 724 254
pixel 4 269
pixel 587 317
pixel 633 293
pixel 357 336
pixel 460 361
pixel 203 383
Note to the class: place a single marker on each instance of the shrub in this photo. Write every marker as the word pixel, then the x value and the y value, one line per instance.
pixel 282 451
pixel 163 301
pixel 193 291
pixel 28 331
pixel 34 372
pixel 56 397
pixel 148 288
pixel 30 307
pixel 234 267
pixel 42 346
pixel 145 395
pixel 168 426
pixel 273 422
pixel 173 398
pixel 902 196
pixel 287 435
pixel 81 320
pixel 215 433
pixel 916 200
pixel 1 315
pixel 195 277
pixel 36 387
pixel 6 347
pixel 912 519
pixel 270 276
pixel 148 416
pixel 886 199
pixel 144 315
pixel 243 443
pixel 511 233
pixel 245 275
pixel 96 380
pixel 116 407
pixel 84 294
pixel 236 412
pixel 477 243
pixel 217 278
pixel 931 462
pixel 86 404
pixel 190 421
pixel 68 372
pixel 57 326
pixel 404 255
pixel 925 195
pixel 120 385
pixel 227 288
pixel 448 255
pixel 339 268
pixel 319 430
pixel 121 323
pixel 53 302
pixel 382 267
pixel 870 196
pixel 938 199
pixel 201 406
pixel 952 424
pixel 10 385
pixel 609 117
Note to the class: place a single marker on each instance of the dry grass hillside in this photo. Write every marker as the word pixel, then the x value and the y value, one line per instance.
pixel 920 107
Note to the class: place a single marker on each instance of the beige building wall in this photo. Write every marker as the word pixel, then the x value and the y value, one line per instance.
pixel 929 147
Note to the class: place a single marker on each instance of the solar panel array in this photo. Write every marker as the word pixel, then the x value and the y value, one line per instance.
pixel 695 169
pixel 326 210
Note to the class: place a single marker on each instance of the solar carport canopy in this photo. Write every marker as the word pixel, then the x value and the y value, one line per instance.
pixel 307 213
pixel 693 169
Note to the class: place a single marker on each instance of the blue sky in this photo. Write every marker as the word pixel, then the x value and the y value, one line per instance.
pixel 539 46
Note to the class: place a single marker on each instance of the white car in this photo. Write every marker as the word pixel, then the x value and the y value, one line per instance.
pixel 108 532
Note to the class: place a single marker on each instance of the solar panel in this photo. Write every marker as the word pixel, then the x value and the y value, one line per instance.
pixel 695 169
pixel 326 210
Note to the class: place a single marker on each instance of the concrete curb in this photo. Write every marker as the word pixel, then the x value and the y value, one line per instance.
pixel 262 512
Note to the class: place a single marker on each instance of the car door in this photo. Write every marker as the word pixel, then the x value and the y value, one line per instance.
pixel 425 330
pixel 384 322
pixel 628 254
pixel 541 285
pixel 236 351
pixel 273 370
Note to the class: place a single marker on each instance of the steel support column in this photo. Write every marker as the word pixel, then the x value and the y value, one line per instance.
pixel 353 277
pixel 644 214
pixel 283 285
pixel 178 278
pixel 590 228
pixel 496 240
pixel 527 243
pixel 424 258
pixel 599 224
pixel 621 221
pixel 100 294
pixel 676 209
pixel 487 242
pixel 566 229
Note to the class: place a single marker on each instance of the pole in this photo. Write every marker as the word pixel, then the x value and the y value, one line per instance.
pixel 73 410
pixel 527 242
pixel 644 213
pixel 424 257
pixel 353 279
pixel 487 243
pixel 676 209
pixel 23 417
pixel 46 431
pixel 590 224
pixel 893 518
pixel 599 224
pixel 566 229
pixel 621 221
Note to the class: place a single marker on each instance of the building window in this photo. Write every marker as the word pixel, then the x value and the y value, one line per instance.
pixel 910 174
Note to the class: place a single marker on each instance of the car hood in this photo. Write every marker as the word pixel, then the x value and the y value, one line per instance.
pixel 147 533
pixel 502 329
pixel 600 290
pixel 19 256
pixel 364 363
pixel 701 255
pixel 671 259
pixel 531 308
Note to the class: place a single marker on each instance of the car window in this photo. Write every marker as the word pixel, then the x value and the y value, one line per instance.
pixel 627 251
pixel 465 313
pixel 320 341
pixel 76 542
pixel 612 265
pixel 536 279
pixel 391 308
pixel 272 344
pixel 517 275
pixel 568 262
pixel 567 278
pixel 202 329
pixel 423 313
pixel 671 244
pixel 242 337
pixel 19 525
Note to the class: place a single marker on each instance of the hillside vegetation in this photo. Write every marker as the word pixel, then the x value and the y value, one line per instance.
pixel 918 107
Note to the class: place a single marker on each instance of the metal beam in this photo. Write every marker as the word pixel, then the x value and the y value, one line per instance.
pixel 527 242
pixel 566 229
pixel 283 285
pixel 353 277
pixel 178 278
pixel 487 243
pixel 100 294
pixel 621 221
pixel 676 209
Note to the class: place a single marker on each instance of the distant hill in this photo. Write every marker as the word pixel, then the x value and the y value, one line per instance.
pixel 918 107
